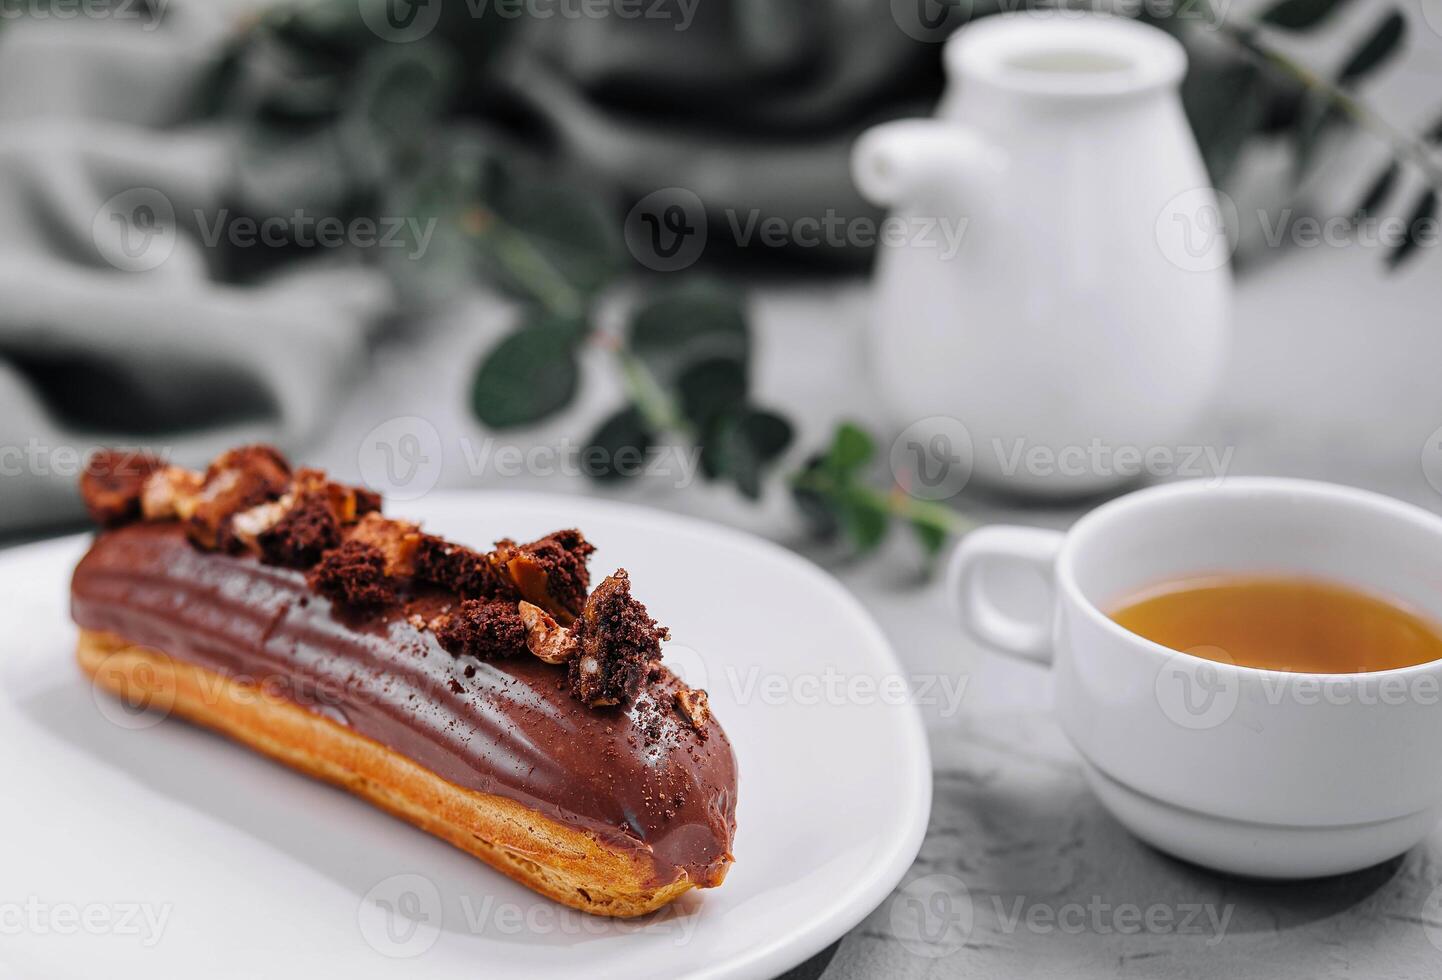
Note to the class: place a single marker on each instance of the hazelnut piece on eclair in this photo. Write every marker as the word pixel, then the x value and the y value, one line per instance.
pixel 695 707
pixel 546 638
pixel 170 493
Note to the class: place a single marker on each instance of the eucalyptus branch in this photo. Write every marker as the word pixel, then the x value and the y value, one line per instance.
pixel 1405 147
pixel 525 263
pixel 895 503
pixel 654 403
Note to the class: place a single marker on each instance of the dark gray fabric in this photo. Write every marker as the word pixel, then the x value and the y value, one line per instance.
pixel 171 356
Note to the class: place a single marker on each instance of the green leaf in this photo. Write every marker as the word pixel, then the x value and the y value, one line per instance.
pixel 1380 190
pixel 1226 106
pixel 851 448
pixel 863 520
pixel 683 326
pixel 1300 15
pixel 743 444
pixel 709 388
pixel 1423 214
pixel 932 537
pixel 617 449
pixel 817 509
pixel 1381 45
pixel 530 374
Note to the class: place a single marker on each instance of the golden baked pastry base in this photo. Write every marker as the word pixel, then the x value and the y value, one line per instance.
pixel 567 865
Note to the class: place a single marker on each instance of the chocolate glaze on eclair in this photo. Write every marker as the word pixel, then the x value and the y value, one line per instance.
pixel 641 772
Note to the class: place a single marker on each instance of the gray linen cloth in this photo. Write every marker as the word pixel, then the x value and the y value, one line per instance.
pixel 110 337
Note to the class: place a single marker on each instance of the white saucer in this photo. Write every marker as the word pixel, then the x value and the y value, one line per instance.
pixel 138 849
pixel 1258 850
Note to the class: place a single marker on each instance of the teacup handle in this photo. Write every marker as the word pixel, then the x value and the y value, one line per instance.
pixel 966 582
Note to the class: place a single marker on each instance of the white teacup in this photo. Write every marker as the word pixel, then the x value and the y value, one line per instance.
pixel 1257 772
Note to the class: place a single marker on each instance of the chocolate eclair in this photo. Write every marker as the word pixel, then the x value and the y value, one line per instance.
pixel 491 698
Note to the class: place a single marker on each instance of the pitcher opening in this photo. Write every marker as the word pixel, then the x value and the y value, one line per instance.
pixel 1068 60
pixel 1064 55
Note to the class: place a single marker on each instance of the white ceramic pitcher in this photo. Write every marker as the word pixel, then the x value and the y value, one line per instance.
pixel 1082 322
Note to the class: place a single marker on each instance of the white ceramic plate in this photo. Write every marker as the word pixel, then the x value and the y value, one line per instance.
pixel 137 849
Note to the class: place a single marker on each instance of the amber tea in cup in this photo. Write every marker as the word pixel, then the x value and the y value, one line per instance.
pixel 1281 623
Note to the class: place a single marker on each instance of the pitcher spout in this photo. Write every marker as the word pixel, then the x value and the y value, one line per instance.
pixel 924 161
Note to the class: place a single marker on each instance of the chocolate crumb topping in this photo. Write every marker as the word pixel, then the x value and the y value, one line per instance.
pixel 366 501
pixel 551 571
pixel 469 574
pixel 618 641
pixel 301 536
pixel 518 597
pixel 354 575
pixel 112 484
pixel 483 628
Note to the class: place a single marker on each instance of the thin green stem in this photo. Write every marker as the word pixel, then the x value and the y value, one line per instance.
pixel 656 406
pixel 531 268
pixel 1404 146
pixel 897 503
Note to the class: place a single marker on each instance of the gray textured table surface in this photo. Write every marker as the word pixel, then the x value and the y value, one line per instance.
pixel 1332 376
